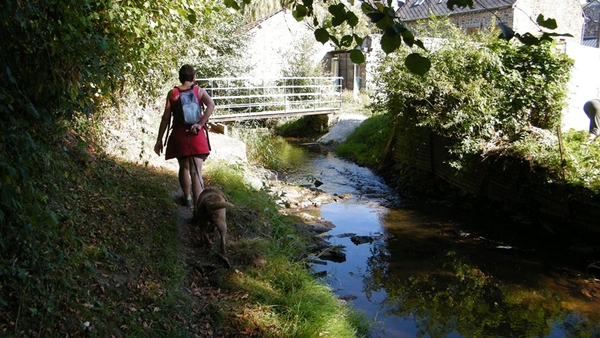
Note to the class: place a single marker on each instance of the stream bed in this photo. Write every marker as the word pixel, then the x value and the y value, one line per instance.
pixel 438 271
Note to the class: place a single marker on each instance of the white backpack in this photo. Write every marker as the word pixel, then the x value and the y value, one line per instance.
pixel 188 109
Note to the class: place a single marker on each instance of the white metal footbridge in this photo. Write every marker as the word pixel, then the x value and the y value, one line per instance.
pixel 239 99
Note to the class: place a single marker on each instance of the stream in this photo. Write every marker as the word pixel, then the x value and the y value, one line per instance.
pixel 435 271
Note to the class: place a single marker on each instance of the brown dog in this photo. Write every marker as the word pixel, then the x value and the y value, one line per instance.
pixel 210 212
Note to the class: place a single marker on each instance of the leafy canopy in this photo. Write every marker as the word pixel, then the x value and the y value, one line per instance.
pixel 395 33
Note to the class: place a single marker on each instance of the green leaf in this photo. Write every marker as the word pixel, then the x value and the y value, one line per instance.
pixel 321 35
pixel 337 20
pixel 557 34
pixel 334 40
pixel 358 39
pixel 339 14
pixel 337 10
pixel 507 32
pixel 417 64
pixel 191 16
pixel 366 8
pixel 375 17
pixel 352 19
pixel 408 37
pixel 356 56
pixel 528 39
pixel 550 23
pixel 299 12
pixel 389 11
pixel 420 44
pixel 390 41
pixel 385 23
pixel 346 41
pixel 231 4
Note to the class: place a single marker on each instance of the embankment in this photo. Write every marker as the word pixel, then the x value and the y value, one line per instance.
pixel 505 183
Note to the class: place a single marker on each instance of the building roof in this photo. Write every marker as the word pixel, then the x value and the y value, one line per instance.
pixel 591 4
pixel 420 9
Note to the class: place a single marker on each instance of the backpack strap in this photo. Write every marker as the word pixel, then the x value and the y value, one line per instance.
pixel 176 92
pixel 197 93
pixel 173 94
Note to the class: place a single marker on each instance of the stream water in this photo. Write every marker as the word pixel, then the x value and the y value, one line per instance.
pixel 441 272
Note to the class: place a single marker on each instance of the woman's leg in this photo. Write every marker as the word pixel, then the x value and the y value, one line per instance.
pixel 196 174
pixel 184 178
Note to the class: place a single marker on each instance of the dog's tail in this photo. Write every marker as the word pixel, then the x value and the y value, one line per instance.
pixel 219 205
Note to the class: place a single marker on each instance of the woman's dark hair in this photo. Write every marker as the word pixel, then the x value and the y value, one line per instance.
pixel 186 73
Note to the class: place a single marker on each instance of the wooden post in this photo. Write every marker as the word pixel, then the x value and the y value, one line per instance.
pixel 561 147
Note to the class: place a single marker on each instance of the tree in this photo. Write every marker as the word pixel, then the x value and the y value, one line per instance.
pixel 383 16
pixel 65 65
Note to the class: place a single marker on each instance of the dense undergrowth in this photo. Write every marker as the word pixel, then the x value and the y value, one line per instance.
pixel 89 243
pixel 95 266
pixel 483 93
pixel 576 164
pixel 67 213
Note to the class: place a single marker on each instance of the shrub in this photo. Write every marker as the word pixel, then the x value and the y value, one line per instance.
pixel 479 91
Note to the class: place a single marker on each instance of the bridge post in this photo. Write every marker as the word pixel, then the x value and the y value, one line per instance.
pixel 218 128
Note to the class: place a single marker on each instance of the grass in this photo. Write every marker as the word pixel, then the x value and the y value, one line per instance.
pixel 578 166
pixel 118 262
pixel 271 151
pixel 367 144
pixel 582 161
pixel 109 274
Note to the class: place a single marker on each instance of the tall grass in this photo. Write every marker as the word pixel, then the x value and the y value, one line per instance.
pixel 269 150
pixel 280 296
pixel 578 165
pixel 367 143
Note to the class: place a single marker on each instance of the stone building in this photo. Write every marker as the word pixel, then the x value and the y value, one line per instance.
pixel 520 15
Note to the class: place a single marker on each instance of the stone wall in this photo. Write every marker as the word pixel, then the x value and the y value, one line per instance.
pixel 483 19
pixel 522 18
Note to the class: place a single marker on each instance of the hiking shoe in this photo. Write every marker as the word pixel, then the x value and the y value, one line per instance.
pixel 187 202
pixel 591 138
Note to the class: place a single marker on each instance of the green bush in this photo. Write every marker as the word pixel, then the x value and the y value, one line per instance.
pixel 479 91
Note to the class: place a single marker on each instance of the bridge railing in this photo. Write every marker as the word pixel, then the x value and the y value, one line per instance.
pixel 253 98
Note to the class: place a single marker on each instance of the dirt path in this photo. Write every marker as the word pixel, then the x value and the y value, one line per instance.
pixel 203 267
pixel 205 271
pixel 199 265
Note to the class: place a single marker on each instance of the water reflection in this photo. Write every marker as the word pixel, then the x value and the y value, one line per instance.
pixel 440 273
pixel 426 278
